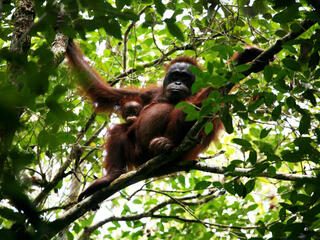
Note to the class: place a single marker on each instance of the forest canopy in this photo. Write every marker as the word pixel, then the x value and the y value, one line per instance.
pixel 260 180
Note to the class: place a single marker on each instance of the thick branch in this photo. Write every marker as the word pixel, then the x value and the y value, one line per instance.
pixel 244 172
pixel 23 18
pixel 123 181
pixel 146 171
pixel 59 48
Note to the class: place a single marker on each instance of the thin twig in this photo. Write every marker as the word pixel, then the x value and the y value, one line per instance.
pixel 125 37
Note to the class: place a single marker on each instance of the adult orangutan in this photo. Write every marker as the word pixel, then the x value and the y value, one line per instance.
pixel 156 125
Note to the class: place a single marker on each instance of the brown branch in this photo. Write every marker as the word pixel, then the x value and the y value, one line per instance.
pixel 262 60
pixel 150 213
pixel 153 63
pixel 192 46
pixel 259 63
pixel 23 18
pixel 63 207
pixel 180 203
pixel 59 48
pixel 244 172
pixel 145 171
pixel 95 135
pixel 51 11
pixel 217 225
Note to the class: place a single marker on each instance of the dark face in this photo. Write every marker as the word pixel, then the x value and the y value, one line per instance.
pixel 178 81
pixel 130 111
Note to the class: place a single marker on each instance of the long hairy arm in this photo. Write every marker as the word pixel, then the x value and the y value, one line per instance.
pixel 101 94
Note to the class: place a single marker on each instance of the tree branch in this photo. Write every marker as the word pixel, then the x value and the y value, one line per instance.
pixel 125 37
pixel 23 18
pixel 259 63
pixel 156 61
pixel 217 225
pixel 150 213
pixel 75 152
pixel 244 172
pixel 154 165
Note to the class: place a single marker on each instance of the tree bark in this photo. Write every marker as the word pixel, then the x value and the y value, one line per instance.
pixel 23 19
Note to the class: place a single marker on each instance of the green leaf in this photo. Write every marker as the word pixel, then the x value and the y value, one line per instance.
pixel 268 73
pixel 182 105
pixel 120 4
pixel 210 66
pixel 288 14
pixel 228 186
pixel 124 15
pixel 11 215
pixel 227 120
pixel 182 180
pixel 281 33
pixel 309 94
pixel 269 99
pixel 257 103
pixel 196 71
pixel 112 27
pixel 305 124
pixel 208 127
pixel 174 30
pixel 291 102
pixel 291 64
pixel 264 146
pixel 314 60
pixel 271 171
pixel 292 156
pixel 276 112
pixel 295 27
pixel 202 185
pixel 259 168
pixel 137 201
pixel 250 185
pixel 264 133
pixel 252 157
pixel 252 207
pixel 317 133
pixel 161 8
pixel 242 68
pixel 239 188
pixel 246 145
pixel 223 50
pixel 282 214
pixel 252 82
pixel 20 158
pixel 238 106
pixel 293 197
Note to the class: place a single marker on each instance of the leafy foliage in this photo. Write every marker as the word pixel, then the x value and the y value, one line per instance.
pixel 50 139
